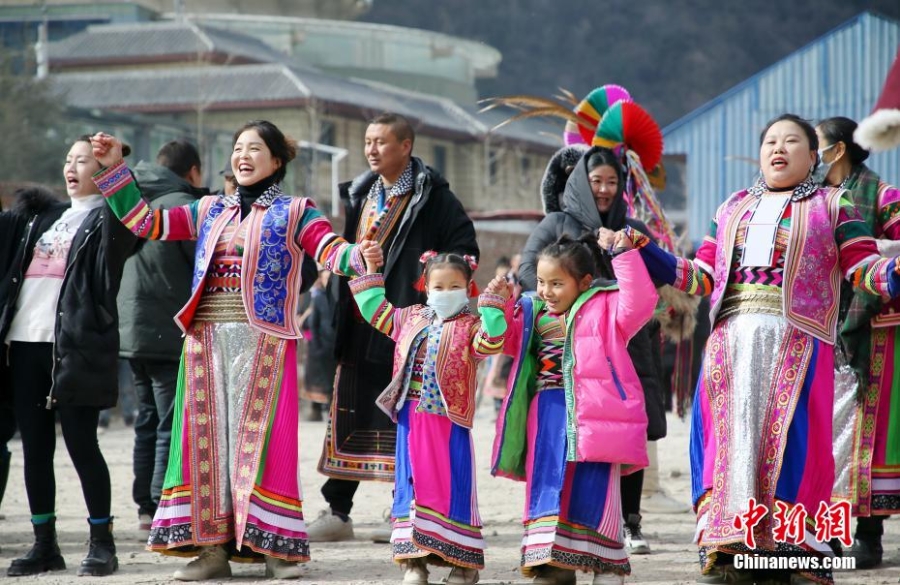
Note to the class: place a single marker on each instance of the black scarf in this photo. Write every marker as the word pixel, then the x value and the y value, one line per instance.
pixel 250 193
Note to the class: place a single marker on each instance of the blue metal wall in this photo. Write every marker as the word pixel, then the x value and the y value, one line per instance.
pixel 840 74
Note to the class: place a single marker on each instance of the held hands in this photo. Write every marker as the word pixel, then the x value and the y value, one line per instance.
pixel 606 239
pixel 372 254
pixel 500 287
pixel 623 242
pixel 107 149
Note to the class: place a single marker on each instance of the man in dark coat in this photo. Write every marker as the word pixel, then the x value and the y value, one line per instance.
pixel 156 283
pixel 409 209
pixel 585 208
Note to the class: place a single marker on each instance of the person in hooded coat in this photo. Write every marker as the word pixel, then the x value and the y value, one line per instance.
pixel 591 199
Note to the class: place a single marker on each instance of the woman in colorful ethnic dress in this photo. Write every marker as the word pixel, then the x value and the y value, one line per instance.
pixel 232 484
pixel 869 336
pixel 432 399
pixel 761 421
pixel 574 421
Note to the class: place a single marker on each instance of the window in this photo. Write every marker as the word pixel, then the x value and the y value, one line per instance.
pixel 439 159
pixel 326 133
pixel 494 166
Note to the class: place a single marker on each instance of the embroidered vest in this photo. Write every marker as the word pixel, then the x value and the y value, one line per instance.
pixel 812 273
pixel 272 259
pixel 456 377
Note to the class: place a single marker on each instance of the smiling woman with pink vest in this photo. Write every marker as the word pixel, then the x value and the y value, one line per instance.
pixel 231 488
pixel 573 420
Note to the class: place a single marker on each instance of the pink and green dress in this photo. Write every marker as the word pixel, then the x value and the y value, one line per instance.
pixel 232 476
pixel 762 412
pixel 870 478
pixel 432 399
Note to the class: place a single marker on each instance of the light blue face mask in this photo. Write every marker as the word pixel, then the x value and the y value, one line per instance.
pixel 447 303
pixel 821 171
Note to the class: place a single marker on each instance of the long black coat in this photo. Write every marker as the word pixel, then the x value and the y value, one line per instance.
pixel 578 216
pixel 85 353
pixel 433 220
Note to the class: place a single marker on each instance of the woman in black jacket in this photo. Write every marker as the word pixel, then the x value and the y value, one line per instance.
pixel 592 199
pixel 59 325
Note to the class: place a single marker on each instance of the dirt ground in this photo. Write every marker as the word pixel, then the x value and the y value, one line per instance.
pixel 673 560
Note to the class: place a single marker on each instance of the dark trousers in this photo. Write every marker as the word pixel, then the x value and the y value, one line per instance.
pixel 631 486
pixel 30 374
pixel 154 386
pixel 339 494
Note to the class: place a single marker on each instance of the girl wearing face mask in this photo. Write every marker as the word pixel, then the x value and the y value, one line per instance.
pixel 869 338
pixel 432 399
pixel 574 421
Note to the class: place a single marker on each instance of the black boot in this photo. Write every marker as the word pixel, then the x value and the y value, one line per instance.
pixel 43 556
pixel 5 459
pixel 101 559
pixel 867 549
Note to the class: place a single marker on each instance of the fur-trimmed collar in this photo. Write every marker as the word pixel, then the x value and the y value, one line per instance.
pixel 33 200
pixel 555 176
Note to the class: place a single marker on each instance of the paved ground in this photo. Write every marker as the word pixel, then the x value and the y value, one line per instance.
pixel 673 559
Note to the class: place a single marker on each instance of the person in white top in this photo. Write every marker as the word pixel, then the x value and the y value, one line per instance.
pixel 58 324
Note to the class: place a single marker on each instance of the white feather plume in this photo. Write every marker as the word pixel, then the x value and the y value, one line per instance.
pixel 879 131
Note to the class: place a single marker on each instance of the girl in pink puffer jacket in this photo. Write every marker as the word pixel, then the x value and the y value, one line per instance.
pixel 573 420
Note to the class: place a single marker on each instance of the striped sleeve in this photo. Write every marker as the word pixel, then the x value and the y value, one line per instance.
pixel 124 198
pixel 316 236
pixel 368 292
pixel 489 334
pixel 860 261
pixel 694 277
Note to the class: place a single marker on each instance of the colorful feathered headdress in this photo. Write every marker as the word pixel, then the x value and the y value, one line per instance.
pixel 608 117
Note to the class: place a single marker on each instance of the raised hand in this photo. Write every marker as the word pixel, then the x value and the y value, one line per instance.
pixel 107 149
pixel 606 239
pixel 499 286
pixel 372 254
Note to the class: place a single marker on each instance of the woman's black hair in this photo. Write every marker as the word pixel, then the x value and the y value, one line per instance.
pixel 804 124
pixel 281 147
pixel 840 129
pixel 449 260
pixel 577 257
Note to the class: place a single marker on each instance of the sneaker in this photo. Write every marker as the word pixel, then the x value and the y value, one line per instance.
pixel 382 533
pixel 550 575
pixel 211 564
pixel 608 579
pixel 145 522
pixel 281 569
pixel 328 527
pixel 462 576
pixel 660 503
pixel 415 572
pixel 634 539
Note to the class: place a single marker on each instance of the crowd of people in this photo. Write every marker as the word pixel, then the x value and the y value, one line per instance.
pixel 201 293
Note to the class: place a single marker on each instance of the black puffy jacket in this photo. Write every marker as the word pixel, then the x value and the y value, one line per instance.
pixel 85 353
pixel 579 215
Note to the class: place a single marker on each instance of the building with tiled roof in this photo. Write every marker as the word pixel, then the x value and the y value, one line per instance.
pixel 210 80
